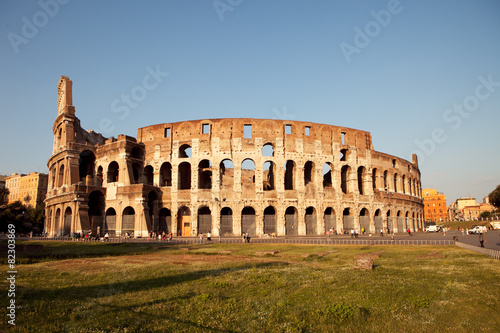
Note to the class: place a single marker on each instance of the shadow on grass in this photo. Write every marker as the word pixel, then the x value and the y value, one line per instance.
pixel 109 289
pixel 70 250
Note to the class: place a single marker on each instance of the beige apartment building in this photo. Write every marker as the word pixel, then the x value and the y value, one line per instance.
pixel 471 213
pixel 29 189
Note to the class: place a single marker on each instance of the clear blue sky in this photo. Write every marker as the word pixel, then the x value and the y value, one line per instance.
pixel 396 69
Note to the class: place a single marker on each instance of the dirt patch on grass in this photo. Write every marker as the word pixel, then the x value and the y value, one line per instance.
pixel 433 254
pixel 373 255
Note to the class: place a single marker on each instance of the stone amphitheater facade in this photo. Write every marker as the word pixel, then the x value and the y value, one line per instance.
pixel 225 176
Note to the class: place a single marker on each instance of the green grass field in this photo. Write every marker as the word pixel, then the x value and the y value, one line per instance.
pixel 77 287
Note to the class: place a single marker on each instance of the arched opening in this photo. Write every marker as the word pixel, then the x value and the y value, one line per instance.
pixel 379 222
pixel 152 222
pixel 248 221
pixel 226 168
pixel 184 221
pixel 361 174
pixel 344 178
pixel 374 179
pixel 136 153
pixel 113 172
pixel 184 181
pixel 291 221
pixel 268 176
pixel 403 181
pixel 164 221
pixel 309 173
pixel 128 221
pixel 86 166
pixel 330 219
pixel 407 221
pixel 270 220
pixel 395 182
pixel 289 175
pixel 268 150
pixel 204 220
pixel 57 222
pixel 226 221
pixel 185 151
pixel 166 174
pixel 248 171
pixel 148 175
pixel 205 174
pixel 135 173
pixel 344 155
pixel 110 222
pixel 364 220
pixel 96 212
pixel 327 175
pixel 400 221
pixel 390 221
pixel 99 176
pixel 59 137
pixel 60 181
pixel 385 180
pixel 54 173
pixel 347 220
pixel 67 222
pixel 311 221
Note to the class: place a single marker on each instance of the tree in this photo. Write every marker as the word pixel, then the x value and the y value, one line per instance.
pixel 4 192
pixel 485 215
pixel 494 197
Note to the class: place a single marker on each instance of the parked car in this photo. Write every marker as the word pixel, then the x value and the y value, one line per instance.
pixel 478 229
pixel 432 228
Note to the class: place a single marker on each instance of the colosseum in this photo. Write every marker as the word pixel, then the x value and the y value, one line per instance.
pixel 225 176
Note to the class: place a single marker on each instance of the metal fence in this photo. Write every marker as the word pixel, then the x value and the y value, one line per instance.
pixel 495 254
pixel 294 240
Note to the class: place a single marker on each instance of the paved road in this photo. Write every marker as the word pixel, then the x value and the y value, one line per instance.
pixel 492 237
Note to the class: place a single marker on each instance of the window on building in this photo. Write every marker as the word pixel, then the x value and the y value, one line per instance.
pixel 288 129
pixel 247 131
pixel 167 132
pixel 205 129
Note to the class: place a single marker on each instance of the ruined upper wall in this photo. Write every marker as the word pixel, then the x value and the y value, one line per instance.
pixel 267 129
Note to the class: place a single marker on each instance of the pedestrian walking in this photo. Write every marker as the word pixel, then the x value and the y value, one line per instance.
pixel 481 239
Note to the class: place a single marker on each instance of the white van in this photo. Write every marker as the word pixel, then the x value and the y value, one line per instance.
pixel 432 228
pixel 478 229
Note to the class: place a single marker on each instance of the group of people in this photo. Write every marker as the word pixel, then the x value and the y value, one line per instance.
pixel 163 236
pixel 246 237
pixel 331 232
pixel 90 236
pixel 209 237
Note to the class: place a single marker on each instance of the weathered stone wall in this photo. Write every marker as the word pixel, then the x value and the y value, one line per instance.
pixel 227 176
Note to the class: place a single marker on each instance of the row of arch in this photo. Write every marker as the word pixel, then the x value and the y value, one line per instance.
pixel 183 226
pixel 380 180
